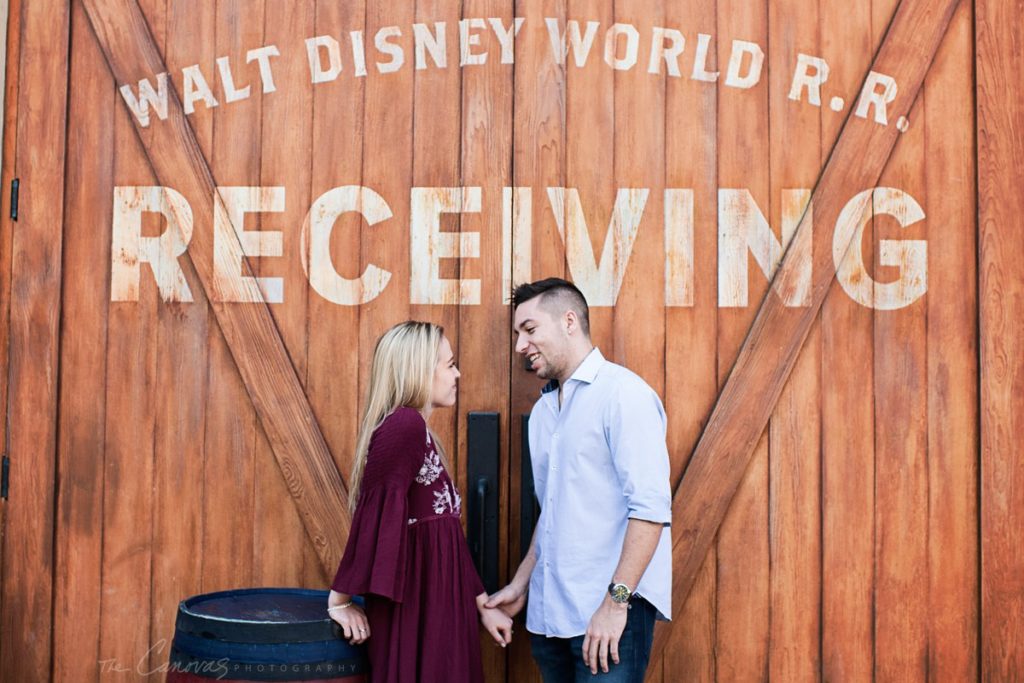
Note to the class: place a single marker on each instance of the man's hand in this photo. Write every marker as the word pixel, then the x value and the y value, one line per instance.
pixel 603 633
pixel 509 599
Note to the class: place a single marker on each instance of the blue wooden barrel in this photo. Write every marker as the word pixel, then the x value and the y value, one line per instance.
pixel 262 634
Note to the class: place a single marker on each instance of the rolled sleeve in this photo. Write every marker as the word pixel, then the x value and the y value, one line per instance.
pixel 636 435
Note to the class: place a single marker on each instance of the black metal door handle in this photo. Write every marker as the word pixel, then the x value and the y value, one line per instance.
pixel 481 542
pixel 482 467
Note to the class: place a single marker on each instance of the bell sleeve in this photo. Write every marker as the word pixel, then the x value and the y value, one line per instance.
pixel 375 555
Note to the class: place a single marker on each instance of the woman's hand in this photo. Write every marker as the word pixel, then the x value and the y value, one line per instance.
pixel 497 623
pixel 350 616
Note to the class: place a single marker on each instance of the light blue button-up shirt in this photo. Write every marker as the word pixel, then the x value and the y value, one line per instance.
pixel 598 460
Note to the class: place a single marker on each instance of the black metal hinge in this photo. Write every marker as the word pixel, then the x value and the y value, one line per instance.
pixel 5 477
pixel 14 198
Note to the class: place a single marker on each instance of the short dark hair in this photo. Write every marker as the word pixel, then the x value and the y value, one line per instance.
pixel 555 289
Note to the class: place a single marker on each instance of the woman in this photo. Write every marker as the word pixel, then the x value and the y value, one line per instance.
pixel 406 553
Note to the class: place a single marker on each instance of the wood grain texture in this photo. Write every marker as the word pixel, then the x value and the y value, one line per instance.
pixel 794 440
pixel 26 627
pixel 639 161
pixel 232 435
pixel 281 555
pixel 901 446
pixel 952 317
pixel 742 550
pixel 847 426
pixel 332 368
pixel 182 376
pixel 83 376
pixel 7 174
pixel 771 347
pixel 590 125
pixel 387 168
pixel 130 436
pixel 691 332
pixel 484 354
pixel 255 342
pixel 127 502
pixel 1000 122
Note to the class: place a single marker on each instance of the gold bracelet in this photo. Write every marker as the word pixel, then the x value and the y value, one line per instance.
pixel 341 606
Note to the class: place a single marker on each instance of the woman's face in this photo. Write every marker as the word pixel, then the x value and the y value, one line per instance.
pixel 446 377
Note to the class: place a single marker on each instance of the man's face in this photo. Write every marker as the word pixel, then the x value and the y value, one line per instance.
pixel 542 337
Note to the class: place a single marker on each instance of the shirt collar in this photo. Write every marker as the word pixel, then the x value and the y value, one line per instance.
pixel 588 369
pixel 586 372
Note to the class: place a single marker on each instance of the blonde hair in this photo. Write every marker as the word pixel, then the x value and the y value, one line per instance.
pixel 402 374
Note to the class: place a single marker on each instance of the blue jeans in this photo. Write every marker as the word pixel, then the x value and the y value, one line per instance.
pixel 561 659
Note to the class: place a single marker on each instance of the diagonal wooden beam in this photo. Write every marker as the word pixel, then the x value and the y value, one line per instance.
pixel 771 348
pixel 254 340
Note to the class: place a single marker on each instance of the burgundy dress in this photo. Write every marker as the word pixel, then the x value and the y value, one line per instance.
pixel 407 556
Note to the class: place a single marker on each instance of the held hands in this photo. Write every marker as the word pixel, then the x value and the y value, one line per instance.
pixel 603 633
pixel 350 616
pixel 509 599
pixel 497 623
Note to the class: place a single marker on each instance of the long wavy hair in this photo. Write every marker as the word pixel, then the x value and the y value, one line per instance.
pixel 402 374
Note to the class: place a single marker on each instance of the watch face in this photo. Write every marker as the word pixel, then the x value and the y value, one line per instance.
pixel 619 592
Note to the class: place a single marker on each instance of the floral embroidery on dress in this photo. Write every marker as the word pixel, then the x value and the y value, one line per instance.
pixel 442 499
pixel 431 468
pixel 447 500
pixel 412 520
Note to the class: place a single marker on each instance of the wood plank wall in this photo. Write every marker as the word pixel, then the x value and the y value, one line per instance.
pixel 33 342
pixel 742 585
pixel 951 315
pixel 876 533
pixel 999 60
pixel 82 452
pixel 794 435
pixel 691 332
pixel 847 411
pixel 10 119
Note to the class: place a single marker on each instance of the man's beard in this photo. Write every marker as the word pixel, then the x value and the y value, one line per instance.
pixel 548 371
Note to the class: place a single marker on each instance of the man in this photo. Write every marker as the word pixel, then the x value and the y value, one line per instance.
pixel 599 569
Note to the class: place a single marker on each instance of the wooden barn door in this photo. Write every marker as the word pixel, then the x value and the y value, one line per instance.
pixel 803 516
pixel 354 202
pixel 178 426
pixel 217 373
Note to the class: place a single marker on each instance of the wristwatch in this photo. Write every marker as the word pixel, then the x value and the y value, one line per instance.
pixel 620 593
